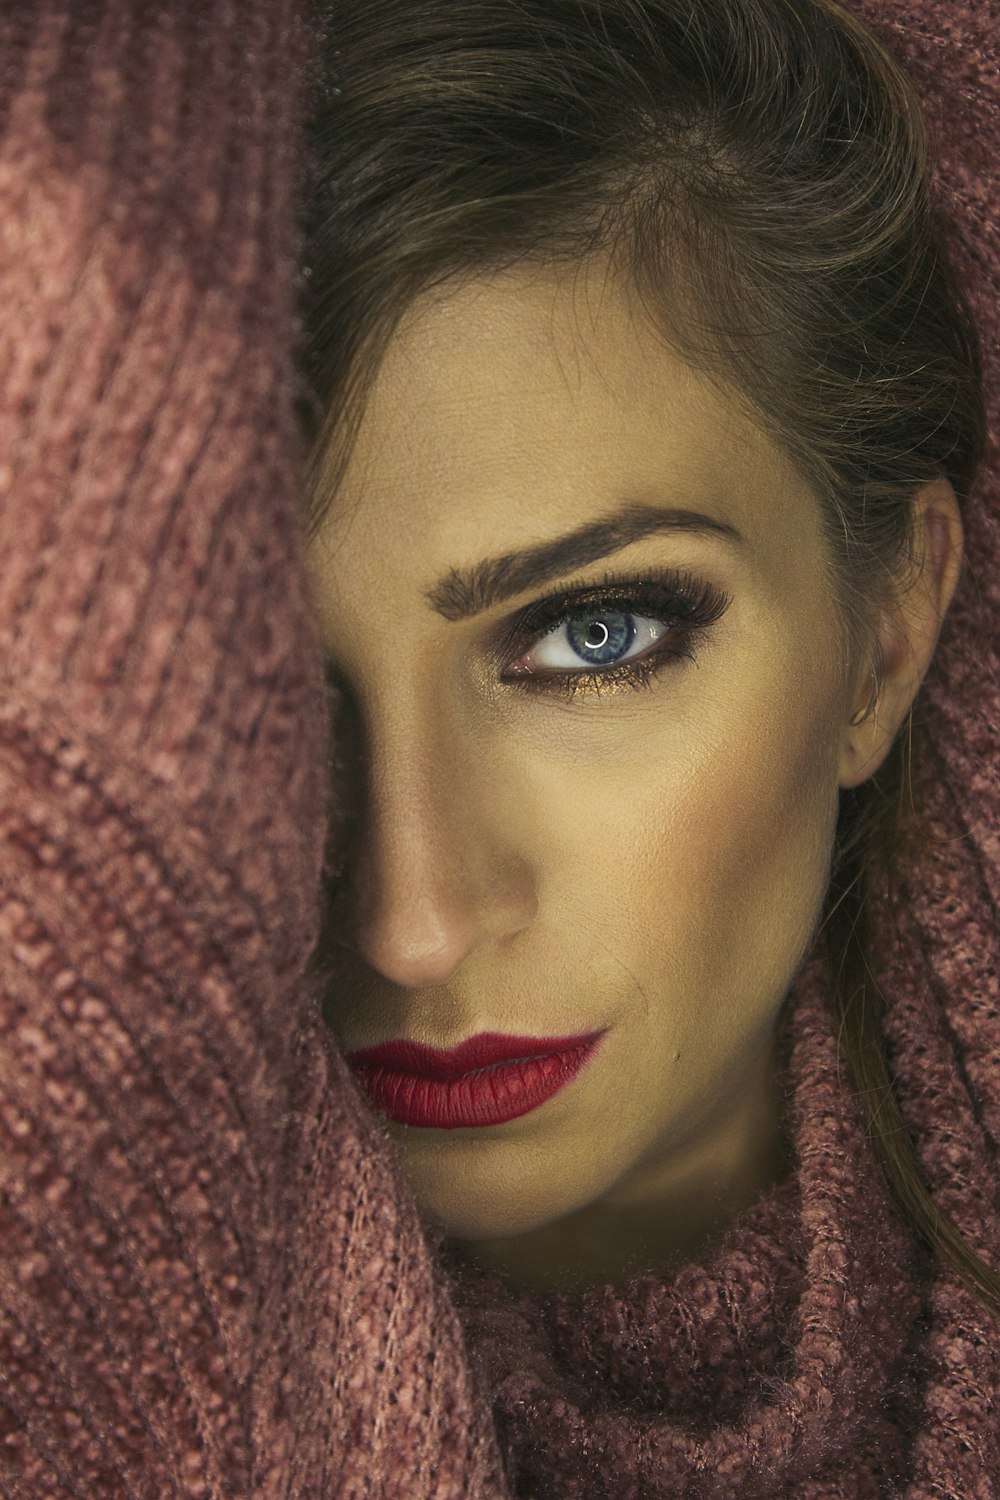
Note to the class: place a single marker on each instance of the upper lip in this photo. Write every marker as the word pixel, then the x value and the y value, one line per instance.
pixel 484 1050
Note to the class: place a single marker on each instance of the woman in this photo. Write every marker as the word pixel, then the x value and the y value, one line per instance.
pixel 691 1254
pixel 764 540
pixel 641 367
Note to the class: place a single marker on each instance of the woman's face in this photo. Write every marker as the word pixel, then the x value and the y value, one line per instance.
pixel 584 614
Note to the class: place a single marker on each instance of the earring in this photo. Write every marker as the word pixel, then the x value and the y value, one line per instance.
pixel 860 716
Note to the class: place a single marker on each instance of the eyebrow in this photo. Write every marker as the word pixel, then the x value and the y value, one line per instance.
pixel 464 592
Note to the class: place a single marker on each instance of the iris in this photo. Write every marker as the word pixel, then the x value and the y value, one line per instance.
pixel 601 639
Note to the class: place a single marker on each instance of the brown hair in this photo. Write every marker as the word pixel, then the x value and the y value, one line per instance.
pixel 759 169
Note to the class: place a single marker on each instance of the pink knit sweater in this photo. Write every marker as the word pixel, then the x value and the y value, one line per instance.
pixel 212 1281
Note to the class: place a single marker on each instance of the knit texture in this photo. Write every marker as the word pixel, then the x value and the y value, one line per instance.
pixel 212 1281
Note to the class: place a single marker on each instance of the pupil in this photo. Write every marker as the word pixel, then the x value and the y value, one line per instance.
pixel 601 639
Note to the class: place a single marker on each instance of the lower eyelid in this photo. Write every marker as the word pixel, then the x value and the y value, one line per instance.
pixel 632 672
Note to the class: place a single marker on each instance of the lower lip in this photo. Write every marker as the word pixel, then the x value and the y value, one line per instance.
pixel 483 1096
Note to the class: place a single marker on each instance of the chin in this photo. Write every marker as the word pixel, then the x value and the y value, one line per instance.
pixel 484 1203
pixel 480 1217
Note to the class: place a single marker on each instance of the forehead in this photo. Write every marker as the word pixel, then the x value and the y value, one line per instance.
pixel 511 407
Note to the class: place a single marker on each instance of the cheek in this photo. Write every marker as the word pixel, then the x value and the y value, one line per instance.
pixel 702 865
pixel 754 836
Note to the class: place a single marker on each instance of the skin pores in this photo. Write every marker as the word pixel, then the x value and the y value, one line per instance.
pixel 647 858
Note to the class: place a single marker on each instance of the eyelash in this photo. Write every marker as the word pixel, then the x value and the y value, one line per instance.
pixel 687 605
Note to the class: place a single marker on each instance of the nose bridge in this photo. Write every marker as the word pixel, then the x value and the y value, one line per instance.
pixel 434 877
pixel 420 804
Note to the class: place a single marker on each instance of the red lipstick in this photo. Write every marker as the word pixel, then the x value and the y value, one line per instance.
pixel 486 1080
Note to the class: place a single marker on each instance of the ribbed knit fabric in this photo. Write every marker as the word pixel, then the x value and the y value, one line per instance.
pixel 212 1282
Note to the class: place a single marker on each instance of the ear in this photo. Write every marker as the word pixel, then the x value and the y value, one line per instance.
pixel 908 630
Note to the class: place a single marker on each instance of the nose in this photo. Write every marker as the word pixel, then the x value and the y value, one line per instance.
pixel 434 876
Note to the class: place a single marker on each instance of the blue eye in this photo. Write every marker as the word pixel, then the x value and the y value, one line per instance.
pixel 595 638
pixel 619 633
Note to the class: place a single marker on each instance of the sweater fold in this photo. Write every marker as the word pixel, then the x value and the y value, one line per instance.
pixel 192 1201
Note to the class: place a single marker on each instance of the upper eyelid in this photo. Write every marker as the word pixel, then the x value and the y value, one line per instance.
pixel 611 587
pixel 552 608
pixel 604 599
